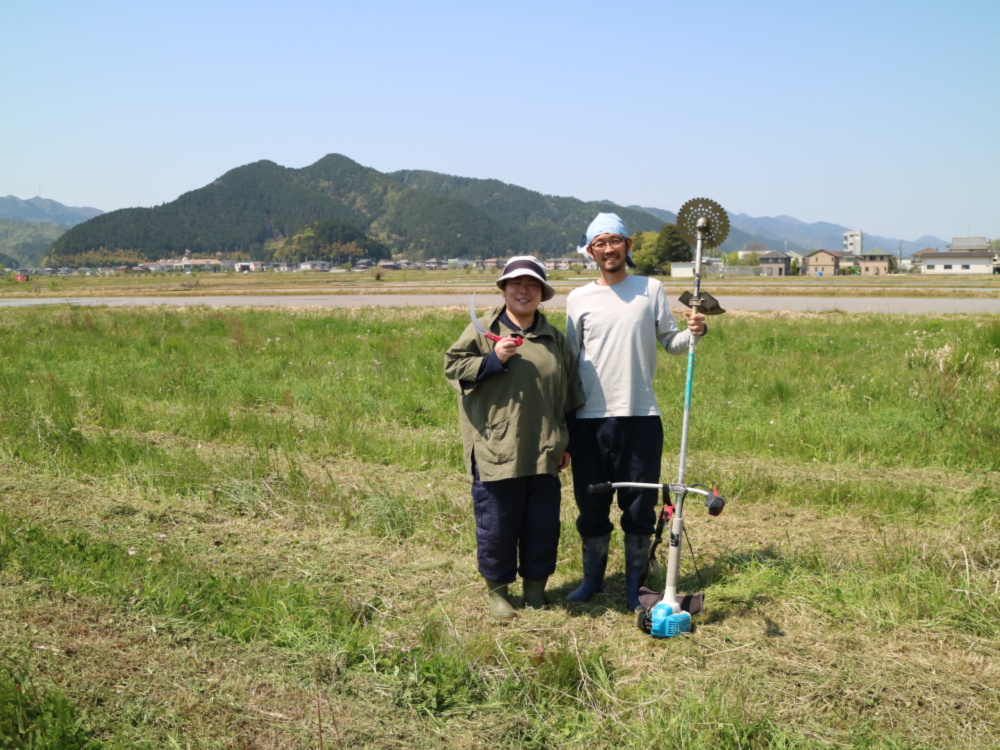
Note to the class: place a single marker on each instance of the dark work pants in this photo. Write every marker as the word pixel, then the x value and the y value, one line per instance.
pixel 616 449
pixel 516 518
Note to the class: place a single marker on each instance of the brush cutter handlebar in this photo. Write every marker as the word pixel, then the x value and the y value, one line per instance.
pixel 713 500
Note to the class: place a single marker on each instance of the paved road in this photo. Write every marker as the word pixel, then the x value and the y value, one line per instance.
pixel 901 305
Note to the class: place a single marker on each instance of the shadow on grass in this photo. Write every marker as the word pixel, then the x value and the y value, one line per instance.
pixel 723 572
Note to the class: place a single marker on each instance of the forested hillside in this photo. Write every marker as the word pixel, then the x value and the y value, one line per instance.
pixel 24 243
pixel 237 215
pixel 7 262
pixel 334 241
pixel 551 225
pixel 254 210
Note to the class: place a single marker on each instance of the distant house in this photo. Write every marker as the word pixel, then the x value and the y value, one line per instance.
pixel 775 263
pixel 249 266
pixel 918 257
pixel 877 262
pixel 193 264
pixel 683 270
pixel 848 260
pixel 564 264
pixel 958 262
pixel 795 255
pixel 823 263
pixel 315 265
pixel 969 244
pixel 204 264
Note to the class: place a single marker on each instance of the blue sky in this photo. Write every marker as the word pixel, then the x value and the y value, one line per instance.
pixel 881 116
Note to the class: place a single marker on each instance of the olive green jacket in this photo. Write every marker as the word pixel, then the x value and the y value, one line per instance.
pixel 513 423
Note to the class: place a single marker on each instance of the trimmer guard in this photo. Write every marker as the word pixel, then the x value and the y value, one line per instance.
pixel 709 305
pixel 691 603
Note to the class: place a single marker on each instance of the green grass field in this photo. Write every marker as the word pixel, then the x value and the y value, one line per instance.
pixel 250 529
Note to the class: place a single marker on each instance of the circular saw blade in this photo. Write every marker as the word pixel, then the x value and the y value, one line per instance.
pixel 718 222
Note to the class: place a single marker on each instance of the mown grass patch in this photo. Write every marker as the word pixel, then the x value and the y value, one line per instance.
pixel 243 529
pixel 39 719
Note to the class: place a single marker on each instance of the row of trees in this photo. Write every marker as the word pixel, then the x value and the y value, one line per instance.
pixel 653 255
pixel 334 241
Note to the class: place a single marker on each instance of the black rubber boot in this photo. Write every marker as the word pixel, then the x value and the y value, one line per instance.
pixel 636 567
pixel 534 594
pixel 595 563
pixel 500 606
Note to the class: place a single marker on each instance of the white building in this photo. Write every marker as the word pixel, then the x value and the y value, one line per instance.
pixel 958 262
pixel 853 241
pixel 315 265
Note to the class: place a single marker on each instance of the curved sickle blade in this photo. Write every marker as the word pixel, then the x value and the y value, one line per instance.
pixel 475 319
pixel 479 326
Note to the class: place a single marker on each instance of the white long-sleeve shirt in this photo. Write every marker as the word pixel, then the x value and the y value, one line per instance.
pixel 614 331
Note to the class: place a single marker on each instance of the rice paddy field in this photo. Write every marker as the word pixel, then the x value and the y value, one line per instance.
pixel 249 528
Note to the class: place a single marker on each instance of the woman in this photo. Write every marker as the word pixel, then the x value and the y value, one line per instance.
pixel 512 402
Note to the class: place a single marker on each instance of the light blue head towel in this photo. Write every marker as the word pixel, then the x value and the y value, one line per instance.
pixel 602 224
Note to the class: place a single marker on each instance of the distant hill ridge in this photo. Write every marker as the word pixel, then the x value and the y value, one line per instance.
pixel 252 210
pixel 45 210
pixel 824 235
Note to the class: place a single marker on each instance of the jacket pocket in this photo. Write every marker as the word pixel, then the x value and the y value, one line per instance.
pixel 499 445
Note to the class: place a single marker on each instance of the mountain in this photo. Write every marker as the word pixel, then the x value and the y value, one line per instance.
pixel 545 225
pixel 44 210
pixel 823 235
pixel 9 263
pixel 25 242
pixel 252 209
pixel 735 239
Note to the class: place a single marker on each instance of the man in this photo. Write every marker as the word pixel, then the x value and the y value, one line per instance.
pixel 614 325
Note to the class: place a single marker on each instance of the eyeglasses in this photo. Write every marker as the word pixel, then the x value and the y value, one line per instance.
pixel 615 243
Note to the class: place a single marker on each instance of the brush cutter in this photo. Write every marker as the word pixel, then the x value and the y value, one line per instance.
pixel 703 223
pixel 667 614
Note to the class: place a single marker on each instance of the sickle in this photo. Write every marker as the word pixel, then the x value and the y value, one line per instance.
pixel 479 326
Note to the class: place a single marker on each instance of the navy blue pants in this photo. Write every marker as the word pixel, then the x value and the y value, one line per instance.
pixel 516 519
pixel 616 449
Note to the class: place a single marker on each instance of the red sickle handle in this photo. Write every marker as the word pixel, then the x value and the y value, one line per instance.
pixel 496 339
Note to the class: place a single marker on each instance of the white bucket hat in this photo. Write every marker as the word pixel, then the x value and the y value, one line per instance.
pixel 527 265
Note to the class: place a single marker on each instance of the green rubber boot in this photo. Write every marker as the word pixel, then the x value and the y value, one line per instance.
pixel 500 606
pixel 534 594
pixel 636 568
